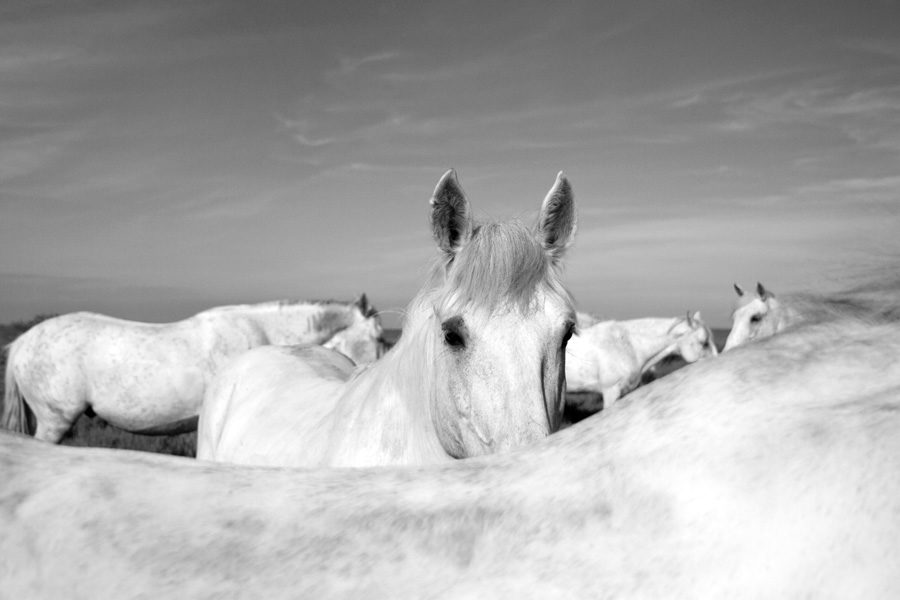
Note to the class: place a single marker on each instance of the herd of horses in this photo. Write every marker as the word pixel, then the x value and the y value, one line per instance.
pixel 770 470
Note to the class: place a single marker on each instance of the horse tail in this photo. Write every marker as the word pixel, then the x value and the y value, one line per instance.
pixel 15 411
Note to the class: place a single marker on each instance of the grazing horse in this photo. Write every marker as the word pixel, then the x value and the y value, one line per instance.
pixel 362 340
pixel 608 358
pixel 766 473
pixel 150 377
pixel 478 368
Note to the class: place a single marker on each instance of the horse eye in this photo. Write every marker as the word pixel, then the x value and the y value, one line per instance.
pixel 756 318
pixel 453 339
pixel 570 331
pixel 454 332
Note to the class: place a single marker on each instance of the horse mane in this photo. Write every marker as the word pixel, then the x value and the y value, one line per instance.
pixel 501 265
pixel 877 301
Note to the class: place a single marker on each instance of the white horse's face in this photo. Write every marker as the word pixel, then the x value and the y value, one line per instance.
pixel 697 340
pixel 363 340
pixel 500 377
pixel 752 318
pixel 498 324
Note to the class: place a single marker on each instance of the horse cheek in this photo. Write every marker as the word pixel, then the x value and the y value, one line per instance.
pixel 451 406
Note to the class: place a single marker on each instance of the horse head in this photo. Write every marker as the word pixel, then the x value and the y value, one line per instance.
pixel 363 339
pixel 496 319
pixel 752 317
pixel 694 339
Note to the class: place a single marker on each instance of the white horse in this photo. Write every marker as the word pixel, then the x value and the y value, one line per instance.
pixel 766 473
pixel 609 358
pixel 150 377
pixel 760 315
pixel 478 368
pixel 757 316
pixel 362 341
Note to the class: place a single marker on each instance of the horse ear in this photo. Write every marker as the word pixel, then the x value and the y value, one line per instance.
pixel 557 221
pixel 690 319
pixel 450 220
pixel 696 316
pixel 738 289
pixel 365 307
pixel 362 303
pixel 763 292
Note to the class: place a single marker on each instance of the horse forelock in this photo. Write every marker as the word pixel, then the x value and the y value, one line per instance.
pixel 742 301
pixel 502 265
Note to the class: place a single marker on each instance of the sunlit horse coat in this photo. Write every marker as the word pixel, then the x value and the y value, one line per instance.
pixel 608 358
pixel 760 314
pixel 770 472
pixel 478 369
pixel 151 377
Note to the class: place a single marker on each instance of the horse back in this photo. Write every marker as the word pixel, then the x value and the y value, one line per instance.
pixel 222 335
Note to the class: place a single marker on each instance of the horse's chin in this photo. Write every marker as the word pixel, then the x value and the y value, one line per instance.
pixel 486 443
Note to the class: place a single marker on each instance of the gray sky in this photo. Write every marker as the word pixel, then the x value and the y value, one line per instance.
pixel 157 158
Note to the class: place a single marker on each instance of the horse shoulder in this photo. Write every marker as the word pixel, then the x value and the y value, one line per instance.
pixel 616 354
pixel 268 405
pixel 385 431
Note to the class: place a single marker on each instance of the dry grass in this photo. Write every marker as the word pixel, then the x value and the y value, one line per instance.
pixel 97 433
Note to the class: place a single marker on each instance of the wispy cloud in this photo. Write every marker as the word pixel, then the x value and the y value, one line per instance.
pixel 22 155
pixel 841 105
pixel 882 188
pixel 29 294
pixel 219 142
pixel 21 60
pixel 888 48
pixel 352 64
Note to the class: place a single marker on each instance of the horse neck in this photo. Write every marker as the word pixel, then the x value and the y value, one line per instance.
pixel 385 415
pixel 652 340
pixel 784 314
pixel 299 323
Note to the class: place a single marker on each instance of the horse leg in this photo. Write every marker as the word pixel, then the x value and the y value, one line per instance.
pixel 52 423
pixel 51 432
pixel 611 394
